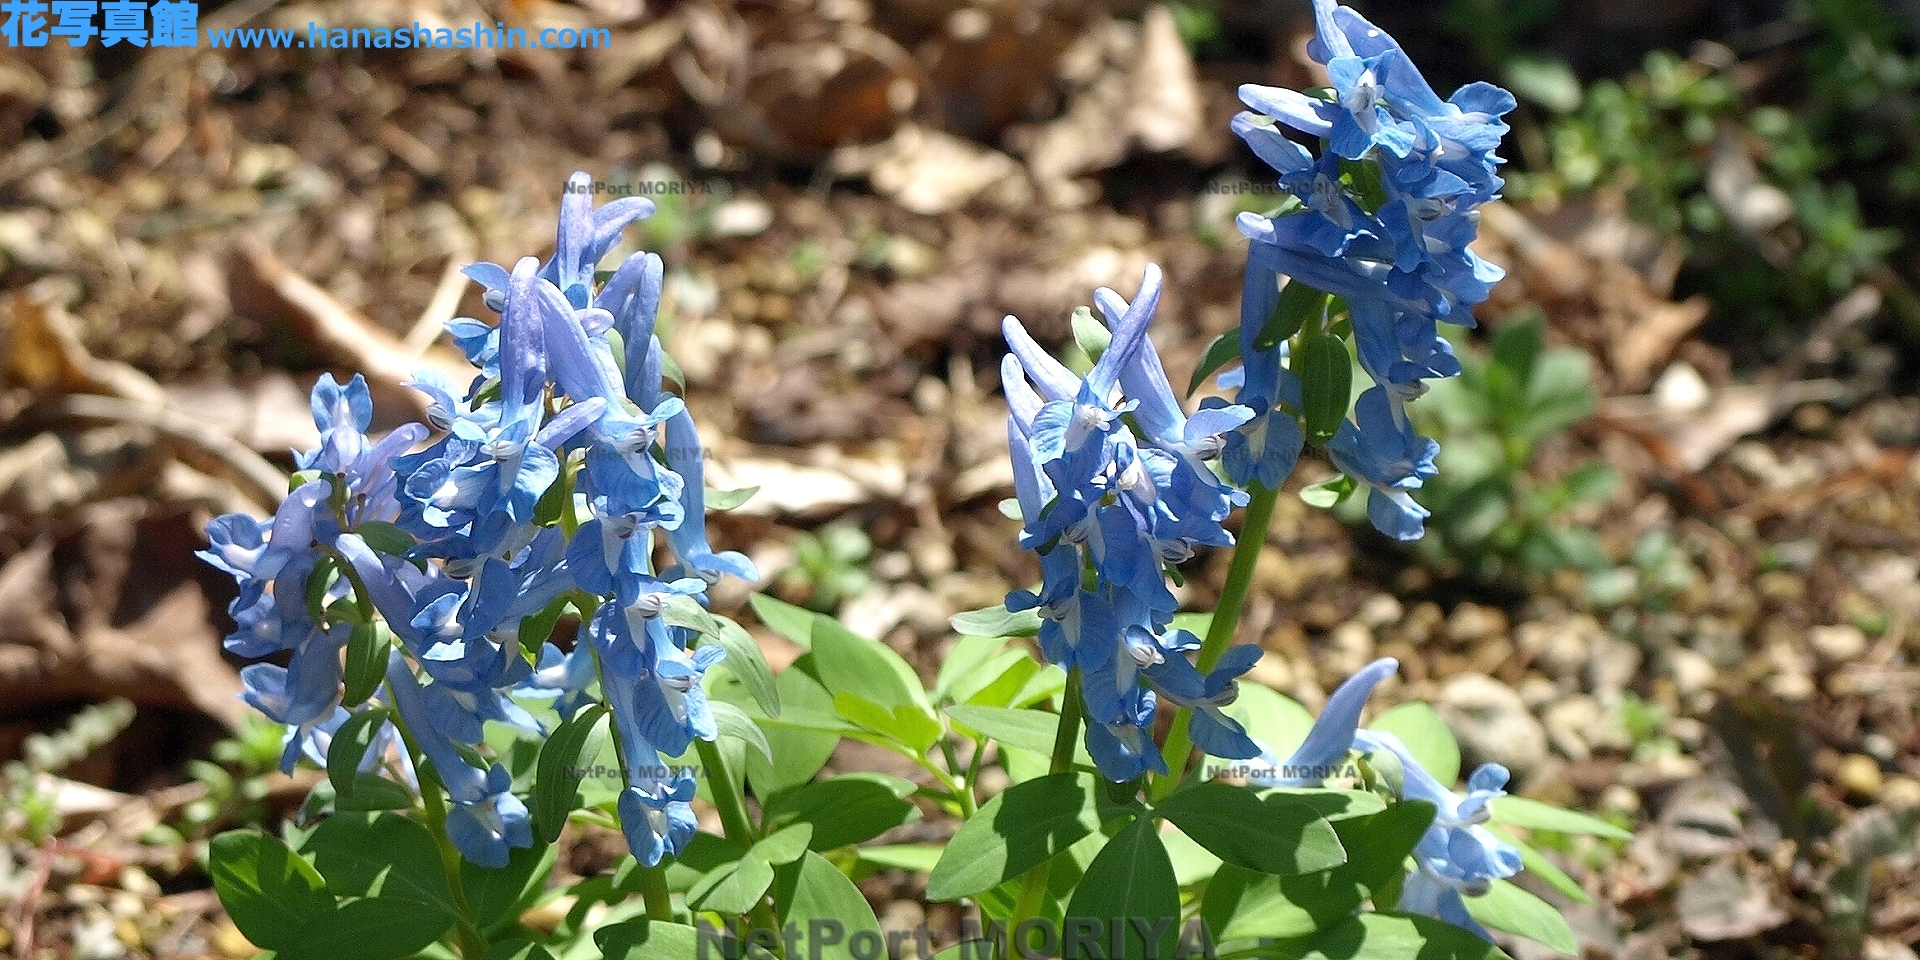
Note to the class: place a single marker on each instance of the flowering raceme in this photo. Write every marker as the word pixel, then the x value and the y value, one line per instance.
pixel 1384 219
pixel 1105 509
pixel 550 474
pixel 1115 481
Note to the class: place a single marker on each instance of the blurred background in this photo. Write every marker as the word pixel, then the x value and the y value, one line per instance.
pixel 1673 574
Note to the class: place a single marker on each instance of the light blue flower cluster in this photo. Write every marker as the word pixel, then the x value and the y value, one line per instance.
pixel 1387 211
pixel 1106 509
pixel 1457 856
pixel 455 545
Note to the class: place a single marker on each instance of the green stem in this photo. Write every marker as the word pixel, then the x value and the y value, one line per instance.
pixel 971 803
pixel 473 945
pixel 653 891
pixel 1033 889
pixel 1068 735
pixel 1226 620
pixel 734 821
pixel 962 790
pixel 726 796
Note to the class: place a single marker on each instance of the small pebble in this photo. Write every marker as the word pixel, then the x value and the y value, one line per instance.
pixel 1559 647
pixel 1492 723
pixel 1349 648
pixel 1381 610
pixel 1472 622
pixel 1781 586
pixel 1692 673
pixel 1791 687
pixel 1620 798
pixel 1838 644
pixel 1860 775
pixel 1568 723
pixel 1900 792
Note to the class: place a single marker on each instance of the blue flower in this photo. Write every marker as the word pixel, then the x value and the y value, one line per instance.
pixel 303 695
pixel 1180 682
pixel 585 236
pixel 562 677
pixel 1267 447
pixel 689 537
pixel 1331 738
pixel 656 815
pixel 487 820
pixel 1457 856
pixel 1124 749
pixel 1390 459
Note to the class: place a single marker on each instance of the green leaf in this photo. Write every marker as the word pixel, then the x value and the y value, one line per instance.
pixel 1326 385
pixel 964 662
pixel 1562 394
pixel 651 940
pixel 905 725
pixel 1089 334
pixel 729 499
pixel 1003 681
pixel 1270 836
pixel 381 855
pixel 785 619
pixel 1516 349
pixel 366 661
pixel 349 747
pixel 1224 349
pixel 1240 903
pixel 268 891
pixel 376 928
pixel 373 792
pixel 996 621
pixel 497 896
pixel 1015 831
pixel 385 538
pixel 1192 864
pixel 734 722
pixel 535 630
pixel 518 950
pixel 737 890
pixel 746 661
pixel 1426 736
pixel 1027 729
pixel 1534 815
pixel 1391 936
pixel 1130 881
pixel 852 664
pixel 685 611
pixel 1279 722
pixel 1331 803
pixel 1507 907
pixel 784 845
pixel 1297 305
pixel 1547 81
pixel 556 787
pixel 1536 863
pixel 846 809
pixel 670 371
pixel 811 893
pixel 1327 494
pixel 797 754
pixel 1592 483
pixel 918 857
